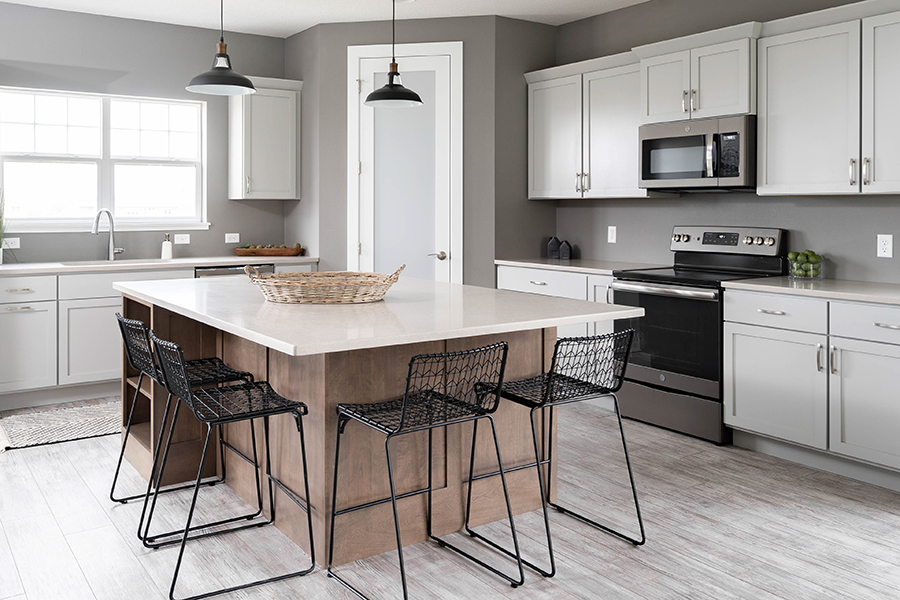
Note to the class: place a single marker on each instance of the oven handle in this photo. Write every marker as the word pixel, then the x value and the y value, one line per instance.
pixel 666 290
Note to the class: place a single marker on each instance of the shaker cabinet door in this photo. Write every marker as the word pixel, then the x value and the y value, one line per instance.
pixel 880 115
pixel 554 138
pixel 665 88
pixel 776 383
pixel 28 348
pixel 721 79
pixel 808 126
pixel 90 343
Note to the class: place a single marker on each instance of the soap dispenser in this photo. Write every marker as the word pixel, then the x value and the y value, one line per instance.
pixel 166 248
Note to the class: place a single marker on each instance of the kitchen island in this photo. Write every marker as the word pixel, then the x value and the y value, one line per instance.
pixel 324 355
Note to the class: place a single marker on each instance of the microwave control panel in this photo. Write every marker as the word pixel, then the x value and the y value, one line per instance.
pixel 760 241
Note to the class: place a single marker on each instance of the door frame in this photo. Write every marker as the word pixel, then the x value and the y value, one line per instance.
pixel 354 55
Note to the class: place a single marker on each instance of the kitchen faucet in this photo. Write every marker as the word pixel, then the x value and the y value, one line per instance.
pixel 95 230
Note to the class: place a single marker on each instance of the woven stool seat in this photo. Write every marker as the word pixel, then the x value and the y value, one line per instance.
pixel 535 391
pixel 239 402
pixel 424 409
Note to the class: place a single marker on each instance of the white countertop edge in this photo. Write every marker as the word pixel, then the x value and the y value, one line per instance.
pixel 612 312
pixel 573 266
pixel 827 289
pixel 150 264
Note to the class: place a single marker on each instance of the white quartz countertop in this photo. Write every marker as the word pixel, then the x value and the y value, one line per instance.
pixel 589 267
pixel 829 289
pixel 414 310
pixel 147 264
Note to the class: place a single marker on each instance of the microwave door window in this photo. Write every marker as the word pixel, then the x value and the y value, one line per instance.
pixel 675 158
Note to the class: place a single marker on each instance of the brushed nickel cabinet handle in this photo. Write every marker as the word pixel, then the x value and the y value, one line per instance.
pixel 778 313
pixel 865 173
pixel 819 348
pixel 19 308
pixel 693 95
pixel 538 282
pixel 19 291
pixel 886 325
pixel 831 360
pixel 248 184
pixel 852 171
pixel 684 101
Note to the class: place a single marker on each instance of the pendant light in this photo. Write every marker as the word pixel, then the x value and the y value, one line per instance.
pixel 393 94
pixel 220 80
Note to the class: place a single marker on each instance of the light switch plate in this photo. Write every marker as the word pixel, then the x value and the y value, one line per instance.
pixel 11 243
pixel 232 238
pixel 885 245
pixel 611 234
pixel 182 238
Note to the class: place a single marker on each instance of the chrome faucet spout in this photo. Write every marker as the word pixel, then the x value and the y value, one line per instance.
pixel 95 230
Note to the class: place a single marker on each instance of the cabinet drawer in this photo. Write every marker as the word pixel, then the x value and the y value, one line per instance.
pixel 873 322
pixel 27 289
pixel 99 285
pixel 777 310
pixel 542 281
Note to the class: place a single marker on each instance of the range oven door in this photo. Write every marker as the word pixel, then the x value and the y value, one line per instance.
pixel 677 343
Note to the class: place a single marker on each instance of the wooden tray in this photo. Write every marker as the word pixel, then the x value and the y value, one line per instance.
pixel 269 251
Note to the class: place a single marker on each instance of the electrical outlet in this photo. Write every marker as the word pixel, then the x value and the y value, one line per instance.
pixel 11 243
pixel 182 238
pixel 611 234
pixel 232 238
pixel 885 245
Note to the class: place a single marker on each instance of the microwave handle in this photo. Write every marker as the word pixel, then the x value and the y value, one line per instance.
pixel 710 153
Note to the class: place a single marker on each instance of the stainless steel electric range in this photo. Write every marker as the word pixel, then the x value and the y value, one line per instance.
pixel 674 378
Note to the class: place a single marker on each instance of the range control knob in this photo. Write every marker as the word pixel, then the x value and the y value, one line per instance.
pixel 770 241
pixel 748 240
pixel 676 237
pixel 685 238
pixel 758 241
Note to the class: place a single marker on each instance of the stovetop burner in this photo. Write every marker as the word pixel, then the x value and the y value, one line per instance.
pixel 711 279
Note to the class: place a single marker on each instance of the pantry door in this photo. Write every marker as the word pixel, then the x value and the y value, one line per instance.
pixel 405 164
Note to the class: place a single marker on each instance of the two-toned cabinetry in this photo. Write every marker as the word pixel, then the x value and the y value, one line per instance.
pixel 561 284
pixel 816 372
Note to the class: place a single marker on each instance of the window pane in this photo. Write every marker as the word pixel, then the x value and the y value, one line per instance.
pixel 50 139
pixel 50 110
pixel 125 143
pixel 154 116
pixel 183 145
pixel 184 117
pixel 154 144
pixel 16 108
pixel 16 138
pixel 125 115
pixel 50 190
pixel 84 112
pixel 84 141
pixel 155 191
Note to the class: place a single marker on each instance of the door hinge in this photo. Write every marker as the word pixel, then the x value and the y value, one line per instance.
pixel 359 86
pixel 359 248
pixel 359 169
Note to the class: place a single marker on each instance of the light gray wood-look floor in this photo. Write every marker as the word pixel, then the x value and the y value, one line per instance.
pixel 722 523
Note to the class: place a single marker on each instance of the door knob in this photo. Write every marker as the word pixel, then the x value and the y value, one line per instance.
pixel 440 255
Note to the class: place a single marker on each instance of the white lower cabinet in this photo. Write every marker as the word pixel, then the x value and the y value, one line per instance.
pixel 27 346
pixel 598 291
pixel 547 282
pixel 776 383
pixel 90 344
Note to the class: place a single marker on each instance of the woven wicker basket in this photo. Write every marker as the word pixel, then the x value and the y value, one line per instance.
pixel 334 287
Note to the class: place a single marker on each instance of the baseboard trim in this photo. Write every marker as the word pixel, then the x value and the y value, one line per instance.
pixel 59 395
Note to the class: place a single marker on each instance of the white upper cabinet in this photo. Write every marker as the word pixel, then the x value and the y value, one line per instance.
pixel 262 140
pixel 723 79
pixel 665 85
pixel 554 138
pixel 701 83
pixel 808 127
pixel 880 171
pixel 611 118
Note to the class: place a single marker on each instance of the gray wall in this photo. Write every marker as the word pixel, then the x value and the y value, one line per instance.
pixel 51 49
pixel 843 228
pixel 521 47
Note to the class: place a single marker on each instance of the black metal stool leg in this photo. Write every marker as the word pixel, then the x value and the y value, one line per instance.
pixel 387 451
pixel 159 477
pixel 518 556
pixel 636 541
pixel 112 489
pixel 540 476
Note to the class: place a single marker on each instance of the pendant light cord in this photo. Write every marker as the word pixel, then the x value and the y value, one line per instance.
pixel 222 21
pixel 393 29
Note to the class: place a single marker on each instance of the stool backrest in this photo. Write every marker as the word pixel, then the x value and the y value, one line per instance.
pixel 171 361
pixel 470 379
pixel 137 346
pixel 598 361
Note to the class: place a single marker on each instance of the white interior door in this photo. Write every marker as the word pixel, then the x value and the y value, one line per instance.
pixel 406 204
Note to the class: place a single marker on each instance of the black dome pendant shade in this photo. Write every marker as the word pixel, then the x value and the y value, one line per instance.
pixel 221 80
pixel 393 94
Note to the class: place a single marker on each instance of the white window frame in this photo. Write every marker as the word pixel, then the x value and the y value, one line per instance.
pixel 105 166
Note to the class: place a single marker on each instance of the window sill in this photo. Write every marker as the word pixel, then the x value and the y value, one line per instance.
pixel 85 226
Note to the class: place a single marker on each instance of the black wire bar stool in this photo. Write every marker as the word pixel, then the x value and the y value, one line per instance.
pixel 221 406
pixel 201 372
pixel 582 368
pixel 441 389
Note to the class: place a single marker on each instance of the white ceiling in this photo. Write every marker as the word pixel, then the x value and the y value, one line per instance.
pixel 283 18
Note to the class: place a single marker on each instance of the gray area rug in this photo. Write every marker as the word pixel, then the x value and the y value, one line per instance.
pixel 60 423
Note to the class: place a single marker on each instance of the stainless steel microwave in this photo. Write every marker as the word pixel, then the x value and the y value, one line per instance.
pixel 699 155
